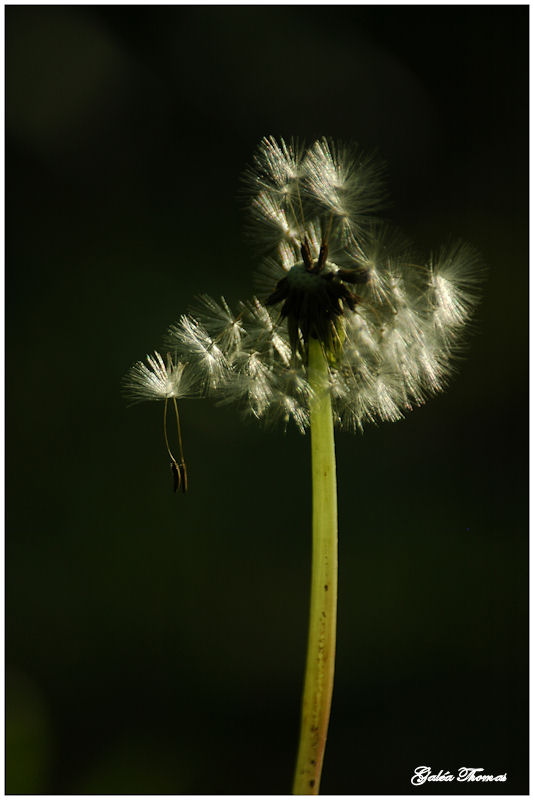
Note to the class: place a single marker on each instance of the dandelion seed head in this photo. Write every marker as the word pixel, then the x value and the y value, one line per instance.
pixel 389 324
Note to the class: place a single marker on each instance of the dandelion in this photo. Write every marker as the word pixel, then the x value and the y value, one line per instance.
pixel 349 328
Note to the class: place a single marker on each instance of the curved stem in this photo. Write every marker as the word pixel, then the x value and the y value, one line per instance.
pixel 169 451
pixel 319 677
pixel 179 431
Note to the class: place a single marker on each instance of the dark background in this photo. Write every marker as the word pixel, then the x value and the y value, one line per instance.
pixel 155 643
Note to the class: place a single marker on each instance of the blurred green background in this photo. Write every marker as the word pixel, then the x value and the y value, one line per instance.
pixel 155 643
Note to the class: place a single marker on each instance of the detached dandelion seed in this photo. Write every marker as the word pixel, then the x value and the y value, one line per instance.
pixel 166 381
pixel 350 328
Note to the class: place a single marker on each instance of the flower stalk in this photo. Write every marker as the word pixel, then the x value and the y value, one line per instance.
pixel 319 676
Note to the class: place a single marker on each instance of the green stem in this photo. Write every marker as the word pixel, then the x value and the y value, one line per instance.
pixel 319 678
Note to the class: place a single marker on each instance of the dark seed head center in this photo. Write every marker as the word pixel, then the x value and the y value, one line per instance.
pixel 300 279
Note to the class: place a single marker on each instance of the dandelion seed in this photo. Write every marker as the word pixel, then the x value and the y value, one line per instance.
pixel 225 328
pixel 347 182
pixel 205 357
pixel 277 166
pixel 264 334
pixel 276 225
pixel 250 384
pixel 166 381
pixel 455 275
